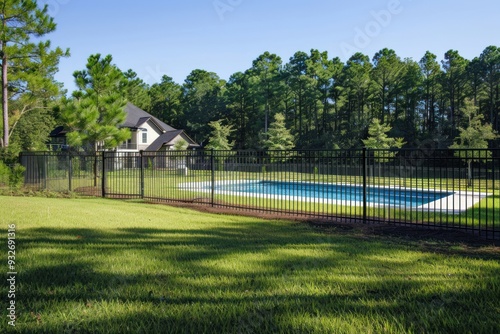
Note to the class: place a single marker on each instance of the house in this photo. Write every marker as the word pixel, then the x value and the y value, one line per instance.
pixel 149 134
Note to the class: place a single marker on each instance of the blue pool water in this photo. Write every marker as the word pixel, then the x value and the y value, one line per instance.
pixel 328 191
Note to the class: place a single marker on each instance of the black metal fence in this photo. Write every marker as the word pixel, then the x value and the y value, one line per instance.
pixel 62 171
pixel 430 188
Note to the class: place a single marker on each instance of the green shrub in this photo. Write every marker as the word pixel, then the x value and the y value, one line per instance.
pixel 4 174
pixel 16 177
pixel 12 177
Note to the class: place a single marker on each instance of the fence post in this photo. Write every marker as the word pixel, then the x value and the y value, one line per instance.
pixel 96 167
pixel 103 178
pixel 70 171
pixel 20 161
pixel 364 157
pixel 212 164
pixel 45 171
pixel 141 159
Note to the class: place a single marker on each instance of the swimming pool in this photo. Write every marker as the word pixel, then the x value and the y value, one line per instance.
pixel 343 194
pixel 334 192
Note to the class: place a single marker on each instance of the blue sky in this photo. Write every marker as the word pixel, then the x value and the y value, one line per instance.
pixel 174 37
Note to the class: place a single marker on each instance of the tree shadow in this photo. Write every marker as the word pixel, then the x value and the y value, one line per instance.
pixel 242 277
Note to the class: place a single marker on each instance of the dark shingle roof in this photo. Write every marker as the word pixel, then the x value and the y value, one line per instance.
pixel 142 120
pixel 163 139
pixel 60 131
pixel 136 117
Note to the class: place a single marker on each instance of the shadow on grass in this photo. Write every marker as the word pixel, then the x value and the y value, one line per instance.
pixel 250 278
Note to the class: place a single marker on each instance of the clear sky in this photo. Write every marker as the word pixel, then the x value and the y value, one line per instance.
pixel 174 37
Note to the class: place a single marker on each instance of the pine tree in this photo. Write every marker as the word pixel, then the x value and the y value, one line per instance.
pixel 27 68
pixel 219 137
pixel 202 101
pixel 472 141
pixel 379 141
pixel 278 139
pixel 136 90
pixel 165 100
pixel 219 141
pixel 278 136
pixel 378 138
pixel 97 109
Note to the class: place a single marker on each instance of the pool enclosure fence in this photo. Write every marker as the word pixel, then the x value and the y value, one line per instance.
pixel 368 185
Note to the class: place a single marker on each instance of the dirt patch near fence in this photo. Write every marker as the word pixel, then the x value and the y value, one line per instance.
pixel 423 238
pixel 89 191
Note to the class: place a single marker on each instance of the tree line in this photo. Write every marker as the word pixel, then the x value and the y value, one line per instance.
pixel 330 104
pixel 320 102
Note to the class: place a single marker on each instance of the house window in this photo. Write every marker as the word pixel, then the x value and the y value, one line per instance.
pixel 144 137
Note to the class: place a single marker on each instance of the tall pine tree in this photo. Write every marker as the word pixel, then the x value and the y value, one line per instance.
pixel 27 67
pixel 97 109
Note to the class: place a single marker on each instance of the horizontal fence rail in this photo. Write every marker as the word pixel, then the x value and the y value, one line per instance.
pixel 450 189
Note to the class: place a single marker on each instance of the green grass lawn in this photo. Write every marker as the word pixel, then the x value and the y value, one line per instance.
pixel 94 265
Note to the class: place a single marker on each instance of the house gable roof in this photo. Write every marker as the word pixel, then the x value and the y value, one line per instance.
pixel 137 117
pixel 168 137
pixel 165 138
